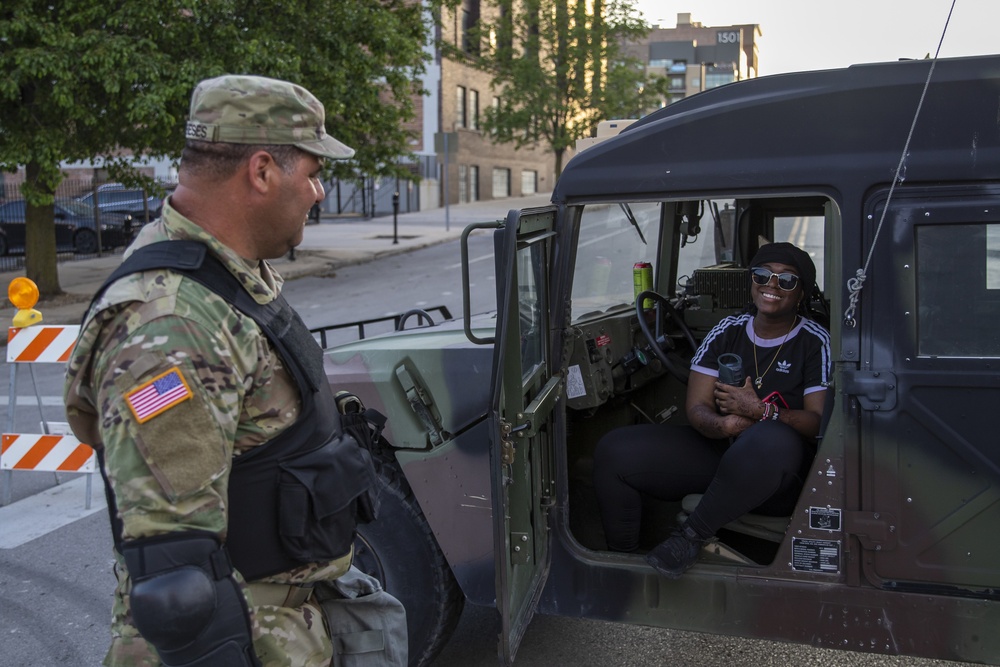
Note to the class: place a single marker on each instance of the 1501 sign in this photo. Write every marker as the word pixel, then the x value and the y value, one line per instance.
pixel 727 37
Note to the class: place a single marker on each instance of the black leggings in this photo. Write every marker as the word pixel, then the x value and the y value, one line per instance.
pixel 762 470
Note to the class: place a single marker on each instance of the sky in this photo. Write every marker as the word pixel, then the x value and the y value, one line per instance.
pixel 800 35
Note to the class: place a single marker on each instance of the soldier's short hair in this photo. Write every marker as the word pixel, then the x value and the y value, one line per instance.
pixel 220 160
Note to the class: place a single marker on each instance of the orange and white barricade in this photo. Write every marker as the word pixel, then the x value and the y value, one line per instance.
pixel 39 451
pixel 55 449
pixel 41 344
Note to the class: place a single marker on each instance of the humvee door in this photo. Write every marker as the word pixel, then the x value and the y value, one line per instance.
pixel 522 397
pixel 928 396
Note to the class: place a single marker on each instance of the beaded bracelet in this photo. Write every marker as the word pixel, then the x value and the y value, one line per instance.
pixel 770 412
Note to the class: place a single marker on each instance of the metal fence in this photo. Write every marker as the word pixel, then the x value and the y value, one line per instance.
pixel 92 218
pixel 371 197
pixel 95 217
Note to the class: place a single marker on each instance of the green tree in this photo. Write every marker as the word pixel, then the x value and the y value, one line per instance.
pixel 559 69
pixel 88 78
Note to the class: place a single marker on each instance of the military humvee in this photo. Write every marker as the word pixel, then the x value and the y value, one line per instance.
pixel 487 456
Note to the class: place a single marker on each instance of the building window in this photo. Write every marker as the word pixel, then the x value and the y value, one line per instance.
pixel 473 109
pixel 463 184
pixel 501 183
pixel 470 23
pixel 505 40
pixel 713 81
pixel 460 114
pixel 473 183
pixel 529 182
pixel 716 79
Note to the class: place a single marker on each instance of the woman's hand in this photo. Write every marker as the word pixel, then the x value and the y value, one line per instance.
pixel 741 401
pixel 703 409
pixel 733 425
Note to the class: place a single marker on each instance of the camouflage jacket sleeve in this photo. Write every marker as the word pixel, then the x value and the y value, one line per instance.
pixel 182 383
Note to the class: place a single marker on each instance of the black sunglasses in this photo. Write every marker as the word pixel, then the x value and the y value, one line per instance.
pixel 762 276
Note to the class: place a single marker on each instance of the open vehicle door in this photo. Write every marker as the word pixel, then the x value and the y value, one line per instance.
pixel 523 394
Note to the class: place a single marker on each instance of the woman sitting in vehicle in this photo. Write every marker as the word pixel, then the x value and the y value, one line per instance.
pixel 751 445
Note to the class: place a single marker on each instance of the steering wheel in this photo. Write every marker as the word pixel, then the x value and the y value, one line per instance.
pixel 658 340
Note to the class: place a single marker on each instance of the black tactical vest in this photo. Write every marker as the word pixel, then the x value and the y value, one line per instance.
pixel 297 498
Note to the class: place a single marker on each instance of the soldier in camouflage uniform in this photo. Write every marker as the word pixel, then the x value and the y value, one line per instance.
pixel 248 176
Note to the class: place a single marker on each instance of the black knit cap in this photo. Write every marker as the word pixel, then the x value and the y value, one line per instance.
pixel 786 253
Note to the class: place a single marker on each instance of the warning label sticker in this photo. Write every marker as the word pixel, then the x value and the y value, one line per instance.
pixel 816 555
pixel 574 383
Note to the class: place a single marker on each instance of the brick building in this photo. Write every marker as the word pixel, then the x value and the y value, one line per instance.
pixel 696 57
pixel 468 165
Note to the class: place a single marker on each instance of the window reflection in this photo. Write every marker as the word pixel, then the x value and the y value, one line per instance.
pixel 530 279
pixel 958 290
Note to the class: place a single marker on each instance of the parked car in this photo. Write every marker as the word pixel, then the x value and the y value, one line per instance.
pixel 115 197
pixel 75 228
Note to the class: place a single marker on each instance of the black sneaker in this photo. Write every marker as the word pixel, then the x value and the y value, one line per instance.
pixel 676 554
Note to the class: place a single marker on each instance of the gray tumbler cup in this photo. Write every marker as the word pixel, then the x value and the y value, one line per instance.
pixel 731 369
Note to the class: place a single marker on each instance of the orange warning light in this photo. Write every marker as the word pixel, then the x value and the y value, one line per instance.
pixel 23 293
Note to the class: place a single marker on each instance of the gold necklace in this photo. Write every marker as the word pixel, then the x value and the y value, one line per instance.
pixel 759 382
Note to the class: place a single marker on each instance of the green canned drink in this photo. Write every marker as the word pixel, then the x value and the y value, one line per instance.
pixel 642 280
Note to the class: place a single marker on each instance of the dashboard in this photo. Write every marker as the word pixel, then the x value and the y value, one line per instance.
pixel 609 356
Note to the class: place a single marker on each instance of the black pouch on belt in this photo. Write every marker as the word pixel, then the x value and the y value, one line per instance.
pixel 323 495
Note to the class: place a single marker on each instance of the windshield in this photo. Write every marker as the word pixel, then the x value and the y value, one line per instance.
pixel 613 238
pixel 75 208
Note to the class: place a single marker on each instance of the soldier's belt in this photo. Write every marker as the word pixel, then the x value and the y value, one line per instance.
pixel 280 595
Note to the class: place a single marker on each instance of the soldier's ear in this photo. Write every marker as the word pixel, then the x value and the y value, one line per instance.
pixel 260 170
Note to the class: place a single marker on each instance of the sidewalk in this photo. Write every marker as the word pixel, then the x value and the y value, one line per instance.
pixel 333 243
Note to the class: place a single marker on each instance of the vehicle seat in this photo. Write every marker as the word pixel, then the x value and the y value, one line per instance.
pixel 771 528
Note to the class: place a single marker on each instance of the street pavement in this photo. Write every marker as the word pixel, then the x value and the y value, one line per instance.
pixel 334 242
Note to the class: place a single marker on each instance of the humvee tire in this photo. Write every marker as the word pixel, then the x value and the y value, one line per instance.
pixel 399 549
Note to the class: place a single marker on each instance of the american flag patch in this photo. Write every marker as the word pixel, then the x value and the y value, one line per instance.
pixel 159 394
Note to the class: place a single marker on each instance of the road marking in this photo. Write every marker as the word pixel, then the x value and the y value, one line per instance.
pixel 42 513
pixel 31 401
pixel 473 260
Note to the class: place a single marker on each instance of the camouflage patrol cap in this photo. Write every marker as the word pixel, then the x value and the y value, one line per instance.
pixel 244 109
